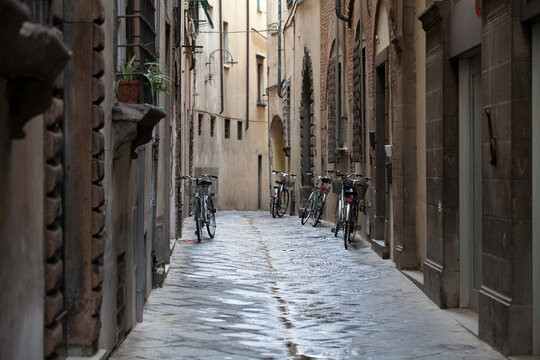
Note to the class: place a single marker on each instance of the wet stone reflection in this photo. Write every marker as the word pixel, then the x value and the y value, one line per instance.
pixel 267 288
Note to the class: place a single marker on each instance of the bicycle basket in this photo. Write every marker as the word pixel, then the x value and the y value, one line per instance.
pixel 189 187
pixel 362 189
pixel 336 186
pixel 290 181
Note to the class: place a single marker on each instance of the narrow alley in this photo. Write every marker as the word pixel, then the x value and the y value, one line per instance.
pixel 270 288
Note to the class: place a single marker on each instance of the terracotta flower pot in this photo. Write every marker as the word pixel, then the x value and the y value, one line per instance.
pixel 129 92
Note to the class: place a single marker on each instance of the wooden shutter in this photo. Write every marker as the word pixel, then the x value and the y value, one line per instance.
pixel 331 109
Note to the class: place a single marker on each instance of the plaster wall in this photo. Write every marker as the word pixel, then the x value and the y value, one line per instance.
pixel 21 244
pixel 234 160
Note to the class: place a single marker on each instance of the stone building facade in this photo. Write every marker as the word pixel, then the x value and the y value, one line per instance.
pixel 225 102
pixel 437 109
pixel 86 186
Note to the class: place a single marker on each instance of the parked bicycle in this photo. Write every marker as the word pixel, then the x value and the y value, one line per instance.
pixel 315 203
pixel 204 211
pixel 280 199
pixel 351 200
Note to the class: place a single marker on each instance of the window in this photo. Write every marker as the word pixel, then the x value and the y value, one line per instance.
pixel 227 129
pixel 260 84
pixel 239 130
pixel 200 124
pixel 212 126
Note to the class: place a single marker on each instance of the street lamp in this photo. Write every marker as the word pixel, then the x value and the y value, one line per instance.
pixel 227 61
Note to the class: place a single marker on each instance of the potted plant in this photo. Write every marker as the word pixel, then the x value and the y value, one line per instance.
pixel 156 78
pixel 129 85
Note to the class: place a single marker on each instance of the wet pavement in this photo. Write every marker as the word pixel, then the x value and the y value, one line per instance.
pixel 267 288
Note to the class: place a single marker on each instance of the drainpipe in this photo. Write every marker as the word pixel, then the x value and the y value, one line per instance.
pixel 221 57
pixel 341 15
pixel 337 79
pixel 362 88
pixel 155 153
pixel 192 66
pixel 280 94
pixel 247 66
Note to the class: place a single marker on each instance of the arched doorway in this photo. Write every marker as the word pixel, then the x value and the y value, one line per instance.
pixel 306 127
pixel 276 136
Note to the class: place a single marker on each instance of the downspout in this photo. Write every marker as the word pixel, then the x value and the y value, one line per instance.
pixel 337 79
pixel 247 66
pixel 280 94
pixel 362 94
pixel 192 66
pixel 341 15
pixel 346 18
pixel 221 57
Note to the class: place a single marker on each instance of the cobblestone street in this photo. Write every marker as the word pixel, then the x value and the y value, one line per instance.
pixel 267 288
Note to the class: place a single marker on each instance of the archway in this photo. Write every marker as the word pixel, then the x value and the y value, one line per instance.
pixel 306 127
pixel 276 136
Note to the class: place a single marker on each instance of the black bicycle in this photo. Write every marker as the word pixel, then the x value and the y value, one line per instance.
pixel 315 203
pixel 351 200
pixel 204 211
pixel 280 199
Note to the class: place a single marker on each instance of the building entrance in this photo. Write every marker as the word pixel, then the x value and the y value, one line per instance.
pixel 470 181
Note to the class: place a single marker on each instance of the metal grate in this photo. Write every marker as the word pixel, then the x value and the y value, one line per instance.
pixel 144 42
pixel 40 11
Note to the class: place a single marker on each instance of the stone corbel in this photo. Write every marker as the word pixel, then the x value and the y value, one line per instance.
pixel 32 58
pixel 432 14
pixel 133 123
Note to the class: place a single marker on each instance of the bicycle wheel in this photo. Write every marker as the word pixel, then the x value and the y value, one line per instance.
pixel 211 224
pixel 283 202
pixel 274 206
pixel 319 209
pixel 197 218
pixel 308 208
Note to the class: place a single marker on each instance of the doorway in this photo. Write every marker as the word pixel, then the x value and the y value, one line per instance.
pixel 381 139
pixel 536 188
pixel 470 181
pixel 306 128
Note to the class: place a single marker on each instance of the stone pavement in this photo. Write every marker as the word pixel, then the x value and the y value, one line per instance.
pixel 267 288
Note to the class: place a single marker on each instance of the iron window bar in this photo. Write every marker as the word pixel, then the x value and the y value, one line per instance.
pixel 40 11
pixel 145 43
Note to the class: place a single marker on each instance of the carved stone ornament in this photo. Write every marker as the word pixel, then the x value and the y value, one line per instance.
pixel 31 59
pixel 133 123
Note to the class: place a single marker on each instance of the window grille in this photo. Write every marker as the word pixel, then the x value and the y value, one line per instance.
pixel 41 11
pixel 227 129
pixel 212 126
pixel 239 133
pixel 143 43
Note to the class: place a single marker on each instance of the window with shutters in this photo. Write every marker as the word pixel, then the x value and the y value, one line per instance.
pixel 331 109
pixel 359 64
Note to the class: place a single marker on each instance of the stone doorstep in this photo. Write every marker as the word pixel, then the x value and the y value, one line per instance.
pixel 466 317
pixel 380 248
pixel 416 276
pixel 100 355
pixel 172 245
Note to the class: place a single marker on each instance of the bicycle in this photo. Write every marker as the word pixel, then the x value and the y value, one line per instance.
pixel 316 200
pixel 351 199
pixel 204 211
pixel 280 199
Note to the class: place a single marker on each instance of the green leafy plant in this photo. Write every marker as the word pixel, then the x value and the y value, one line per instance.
pixel 129 69
pixel 156 78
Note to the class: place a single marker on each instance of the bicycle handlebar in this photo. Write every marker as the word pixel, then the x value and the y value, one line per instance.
pixel 199 178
